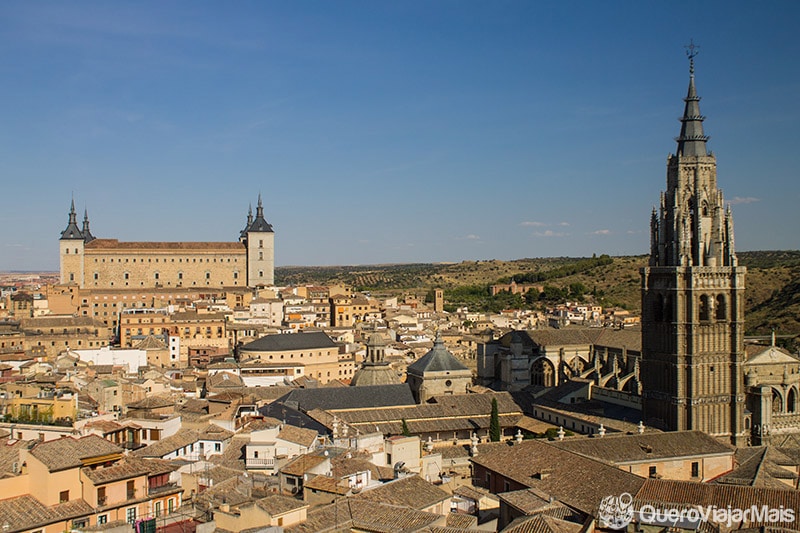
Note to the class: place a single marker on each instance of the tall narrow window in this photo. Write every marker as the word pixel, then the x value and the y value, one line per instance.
pixel 703 313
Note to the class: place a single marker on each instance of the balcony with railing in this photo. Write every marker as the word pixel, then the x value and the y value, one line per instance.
pixel 267 463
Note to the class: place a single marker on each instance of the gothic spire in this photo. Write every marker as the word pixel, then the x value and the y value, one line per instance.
pixel 72 232
pixel 243 233
pixel 259 223
pixel 692 140
pixel 87 234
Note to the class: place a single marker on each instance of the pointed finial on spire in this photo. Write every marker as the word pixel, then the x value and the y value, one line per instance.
pixel 259 199
pixel 72 206
pixel 691 52
pixel 773 338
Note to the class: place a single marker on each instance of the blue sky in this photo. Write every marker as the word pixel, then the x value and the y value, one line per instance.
pixel 383 132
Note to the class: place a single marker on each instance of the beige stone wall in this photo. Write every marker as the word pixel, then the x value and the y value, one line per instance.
pixel 321 364
pixel 260 259
pixel 681 469
pixel 72 269
pixel 107 268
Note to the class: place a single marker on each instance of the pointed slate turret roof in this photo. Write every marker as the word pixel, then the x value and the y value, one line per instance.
pixel 439 359
pixel 243 233
pixel 260 224
pixel 692 140
pixel 87 234
pixel 72 232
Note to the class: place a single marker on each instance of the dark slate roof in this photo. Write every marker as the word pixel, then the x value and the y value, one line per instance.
pixel 439 359
pixel 259 223
pixel 348 397
pixel 290 341
pixel 72 231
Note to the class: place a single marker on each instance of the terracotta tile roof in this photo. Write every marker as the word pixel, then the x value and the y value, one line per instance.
pixel 277 504
pixel 302 436
pixel 119 471
pixel 542 524
pixel 214 432
pixel 26 512
pixel 473 493
pixel 327 484
pixel 617 449
pixel 67 452
pixel 9 455
pixel 302 464
pixel 711 494
pixel 411 491
pixel 461 521
pixel 347 513
pixel 184 437
pixel 152 402
pixel 575 480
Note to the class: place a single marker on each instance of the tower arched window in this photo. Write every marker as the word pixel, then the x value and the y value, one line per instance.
pixel 703 311
pixel 721 312
pixel 791 401
pixel 777 402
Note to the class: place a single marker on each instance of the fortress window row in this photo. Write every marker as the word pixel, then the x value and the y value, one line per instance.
pixel 171 260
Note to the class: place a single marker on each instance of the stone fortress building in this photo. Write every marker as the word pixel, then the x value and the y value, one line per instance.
pixel 93 263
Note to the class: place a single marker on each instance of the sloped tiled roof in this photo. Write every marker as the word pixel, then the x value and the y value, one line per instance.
pixel 350 397
pixel 67 452
pixel 183 437
pixel 411 491
pixel 121 470
pixel 277 504
pixel 712 494
pixel 303 436
pixel 646 447
pixel 363 515
pixel 575 480
pixel 26 512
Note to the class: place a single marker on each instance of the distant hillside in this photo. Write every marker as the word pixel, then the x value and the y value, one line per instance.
pixel 773 282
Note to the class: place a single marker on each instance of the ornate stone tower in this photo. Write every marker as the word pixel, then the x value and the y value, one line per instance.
pixel 693 296
pixel 259 238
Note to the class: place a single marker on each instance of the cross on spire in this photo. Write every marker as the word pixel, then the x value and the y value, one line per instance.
pixel 691 52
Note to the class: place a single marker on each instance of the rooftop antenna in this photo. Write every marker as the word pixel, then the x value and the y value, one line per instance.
pixel 691 52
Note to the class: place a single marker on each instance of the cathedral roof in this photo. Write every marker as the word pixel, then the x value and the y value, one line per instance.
pixel 439 359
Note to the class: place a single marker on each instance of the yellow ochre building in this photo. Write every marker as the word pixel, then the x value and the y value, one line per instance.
pixel 92 263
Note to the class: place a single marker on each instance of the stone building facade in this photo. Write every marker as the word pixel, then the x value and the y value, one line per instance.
pixel 90 262
pixel 693 297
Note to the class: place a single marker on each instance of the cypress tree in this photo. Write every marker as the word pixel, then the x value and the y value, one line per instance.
pixel 494 423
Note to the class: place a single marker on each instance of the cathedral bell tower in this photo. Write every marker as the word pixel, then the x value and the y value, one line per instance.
pixel 693 296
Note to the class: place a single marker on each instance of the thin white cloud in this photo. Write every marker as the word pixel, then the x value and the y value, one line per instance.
pixel 533 224
pixel 743 200
pixel 473 237
pixel 550 233
pixel 563 224
pixel 601 232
